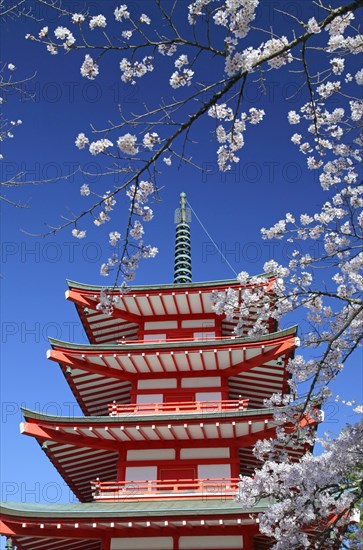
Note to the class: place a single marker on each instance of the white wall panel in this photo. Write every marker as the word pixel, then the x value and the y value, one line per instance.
pixel 214 471
pixel 156 383
pixel 211 452
pixel 203 382
pixel 211 542
pixel 142 473
pixel 196 323
pixel 151 454
pixel 208 396
pixel 155 325
pixel 143 543
pixel 149 398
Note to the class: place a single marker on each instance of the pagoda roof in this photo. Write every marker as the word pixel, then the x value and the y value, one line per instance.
pixel 145 345
pixel 127 418
pixel 100 374
pixel 86 448
pixel 83 526
pixel 172 286
pixel 90 510
pixel 156 303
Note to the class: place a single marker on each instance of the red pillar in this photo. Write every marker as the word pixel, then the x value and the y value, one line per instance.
pixel 106 544
pixel 248 541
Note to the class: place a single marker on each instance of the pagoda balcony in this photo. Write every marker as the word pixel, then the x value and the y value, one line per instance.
pixel 209 488
pixel 180 407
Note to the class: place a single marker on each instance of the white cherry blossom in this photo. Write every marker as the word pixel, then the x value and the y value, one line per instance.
pixel 121 13
pixel 97 21
pixel 81 141
pixel 89 68
pixel 127 144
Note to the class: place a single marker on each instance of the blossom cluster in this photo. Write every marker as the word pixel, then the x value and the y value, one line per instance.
pixel 232 140
pixel 89 68
pixel 167 49
pixel 274 52
pixel 131 70
pixel 62 33
pixel 121 13
pixel 183 78
pixel 237 16
pixel 127 144
pixel 138 194
pixel 303 494
pixel 97 21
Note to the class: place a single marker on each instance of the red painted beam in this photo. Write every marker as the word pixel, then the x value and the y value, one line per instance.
pixel 262 358
pixel 65 359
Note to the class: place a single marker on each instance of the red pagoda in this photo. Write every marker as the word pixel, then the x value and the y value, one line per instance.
pixel 173 405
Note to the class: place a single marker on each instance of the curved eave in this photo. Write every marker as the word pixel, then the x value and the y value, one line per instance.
pixel 173 304
pixel 110 420
pixel 149 345
pixel 169 287
pixel 84 449
pixel 51 527
pixel 101 374
pixel 112 510
pixel 170 359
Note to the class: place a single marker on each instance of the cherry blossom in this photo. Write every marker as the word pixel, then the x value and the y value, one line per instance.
pixel 145 19
pixel 181 79
pixel 303 493
pixel 115 236
pixel 78 233
pixel 81 141
pixel 127 144
pixel 313 26
pixel 78 18
pixel 99 146
pixel 97 21
pixel 150 139
pixel 137 69
pixel 89 68
pixel 126 34
pixel 52 49
pixel 166 49
pixel 182 60
pixel 43 32
pixel 121 13
pixel 85 190
pixel 63 33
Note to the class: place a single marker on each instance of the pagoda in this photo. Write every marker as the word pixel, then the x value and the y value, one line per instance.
pixel 173 404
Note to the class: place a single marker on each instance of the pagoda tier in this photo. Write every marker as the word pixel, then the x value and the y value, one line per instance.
pixel 166 310
pixel 140 448
pixel 177 525
pixel 172 525
pixel 188 370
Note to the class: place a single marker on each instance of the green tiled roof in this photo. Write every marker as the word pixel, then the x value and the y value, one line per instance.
pixel 129 509
pixel 109 420
pixel 171 286
pixel 172 343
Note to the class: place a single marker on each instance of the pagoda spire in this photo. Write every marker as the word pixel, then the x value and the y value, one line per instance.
pixel 183 259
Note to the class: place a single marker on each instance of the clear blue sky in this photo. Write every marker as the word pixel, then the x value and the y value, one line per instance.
pixel 271 179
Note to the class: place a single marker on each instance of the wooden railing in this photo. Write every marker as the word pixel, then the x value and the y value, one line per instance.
pixel 116 409
pixel 174 488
